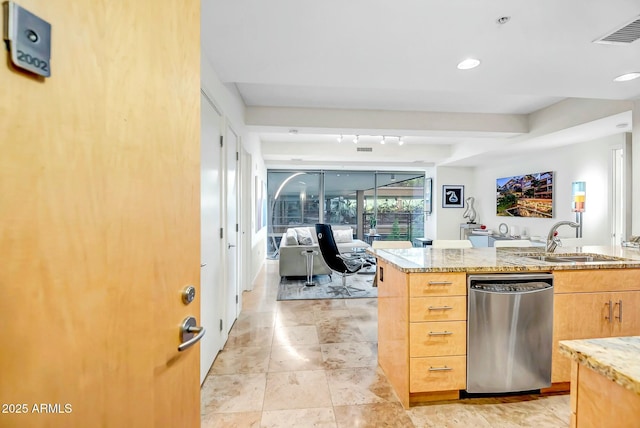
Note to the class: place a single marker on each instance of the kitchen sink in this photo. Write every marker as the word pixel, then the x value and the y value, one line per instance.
pixel 575 258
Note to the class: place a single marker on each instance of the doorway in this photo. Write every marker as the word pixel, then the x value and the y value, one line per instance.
pixel 211 308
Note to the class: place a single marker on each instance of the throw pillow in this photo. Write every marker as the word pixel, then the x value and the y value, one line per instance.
pixel 304 236
pixel 342 236
pixel 292 237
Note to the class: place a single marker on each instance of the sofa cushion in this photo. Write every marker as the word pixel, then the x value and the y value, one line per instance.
pixel 291 237
pixel 304 236
pixel 343 235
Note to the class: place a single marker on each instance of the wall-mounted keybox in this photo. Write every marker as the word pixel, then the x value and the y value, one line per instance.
pixel 29 39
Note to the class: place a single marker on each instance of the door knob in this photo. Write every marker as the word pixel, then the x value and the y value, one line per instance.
pixel 188 335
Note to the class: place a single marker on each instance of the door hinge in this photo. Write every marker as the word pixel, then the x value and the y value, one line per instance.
pixel 221 233
pixel 237 156
pixel 237 227
pixel 236 298
pixel 220 324
pixel 221 141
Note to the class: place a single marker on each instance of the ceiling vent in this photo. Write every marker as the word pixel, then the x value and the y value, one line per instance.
pixel 364 149
pixel 629 33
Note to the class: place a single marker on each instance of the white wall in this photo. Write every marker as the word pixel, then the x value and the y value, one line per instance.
pixel 635 153
pixel 444 223
pixel 586 161
pixel 230 103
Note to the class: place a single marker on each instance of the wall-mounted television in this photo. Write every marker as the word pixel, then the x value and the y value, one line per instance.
pixel 528 195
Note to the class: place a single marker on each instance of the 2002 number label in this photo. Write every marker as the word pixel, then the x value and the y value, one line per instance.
pixel 15 408
pixel 32 60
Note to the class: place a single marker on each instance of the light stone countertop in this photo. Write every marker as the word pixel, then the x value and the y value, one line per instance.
pixel 616 358
pixel 503 259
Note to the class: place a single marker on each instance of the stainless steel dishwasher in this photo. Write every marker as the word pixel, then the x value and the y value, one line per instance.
pixel 509 332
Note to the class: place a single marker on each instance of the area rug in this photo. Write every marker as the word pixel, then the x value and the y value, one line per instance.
pixel 327 287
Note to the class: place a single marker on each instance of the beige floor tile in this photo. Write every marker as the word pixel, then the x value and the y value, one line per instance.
pixel 290 318
pixel 377 415
pixel 348 355
pixel 359 386
pixel 242 360
pixel 302 418
pixel 251 321
pixel 447 416
pixel 339 331
pixel 232 420
pixel 297 390
pixel 233 393
pixel 294 358
pixel 559 405
pixel 518 415
pixel 259 337
pixel 296 335
pixel 333 381
pixel 332 315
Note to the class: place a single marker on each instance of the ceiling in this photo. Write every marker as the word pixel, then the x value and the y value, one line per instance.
pixel 389 68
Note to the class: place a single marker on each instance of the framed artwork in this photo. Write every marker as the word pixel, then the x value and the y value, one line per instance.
pixel 261 204
pixel 527 195
pixel 452 196
pixel 428 185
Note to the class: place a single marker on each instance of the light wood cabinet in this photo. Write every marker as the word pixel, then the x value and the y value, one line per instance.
pixel 422 317
pixel 422 333
pixel 598 311
pixel 599 402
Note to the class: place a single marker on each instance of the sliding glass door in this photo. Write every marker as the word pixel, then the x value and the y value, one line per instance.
pixel 392 204
pixel 293 201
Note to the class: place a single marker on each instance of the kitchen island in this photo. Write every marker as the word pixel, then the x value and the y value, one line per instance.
pixel 605 385
pixel 422 308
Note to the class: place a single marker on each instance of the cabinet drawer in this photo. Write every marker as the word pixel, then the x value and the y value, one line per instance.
pixel 587 281
pixel 437 374
pixel 433 339
pixel 437 284
pixel 438 308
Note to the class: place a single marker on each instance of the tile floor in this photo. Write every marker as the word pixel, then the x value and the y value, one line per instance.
pixel 313 363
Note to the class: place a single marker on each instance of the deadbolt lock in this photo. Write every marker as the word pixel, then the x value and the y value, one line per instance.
pixel 188 294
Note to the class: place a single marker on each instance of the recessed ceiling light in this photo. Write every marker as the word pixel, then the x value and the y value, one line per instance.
pixel 468 64
pixel 503 19
pixel 622 125
pixel 627 77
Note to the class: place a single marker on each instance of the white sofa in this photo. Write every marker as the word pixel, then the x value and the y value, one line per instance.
pixel 293 263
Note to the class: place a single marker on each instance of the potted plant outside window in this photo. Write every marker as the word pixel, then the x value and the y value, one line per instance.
pixel 372 225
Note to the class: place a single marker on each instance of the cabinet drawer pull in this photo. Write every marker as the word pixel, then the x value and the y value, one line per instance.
pixel 440 282
pixel 610 312
pixel 440 333
pixel 440 308
pixel 619 317
pixel 440 369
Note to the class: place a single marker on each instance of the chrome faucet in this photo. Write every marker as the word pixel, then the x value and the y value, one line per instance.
pixel 552 240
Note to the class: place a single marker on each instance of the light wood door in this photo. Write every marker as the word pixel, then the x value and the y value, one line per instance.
pixel 100 218
pixel 577 316
pixel 626 313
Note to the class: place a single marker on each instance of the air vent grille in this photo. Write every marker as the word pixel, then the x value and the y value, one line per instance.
pixel 629 33
pixel 364 149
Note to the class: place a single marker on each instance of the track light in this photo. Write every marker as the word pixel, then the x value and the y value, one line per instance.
pixel 400 141
pixel 355 140
pixel 383 140
pixel 340 139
